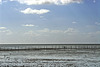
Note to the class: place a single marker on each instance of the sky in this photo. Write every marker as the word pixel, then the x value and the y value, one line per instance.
pixel 50 21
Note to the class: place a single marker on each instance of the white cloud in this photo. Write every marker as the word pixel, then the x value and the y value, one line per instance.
pixel 0 1
pixel 97 23
pixel 56 31
pixel 40 2
pixel 7 32
pixel 74 22
pixel 41 16
pixel 94 1
pixel 34 11
pixel 28 25
pixel 3 28
pixel 70 30
pixel 47 31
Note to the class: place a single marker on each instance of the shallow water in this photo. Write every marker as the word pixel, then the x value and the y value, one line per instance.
pixel 53 58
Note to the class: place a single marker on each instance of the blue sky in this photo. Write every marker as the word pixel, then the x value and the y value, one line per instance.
pixel 49 21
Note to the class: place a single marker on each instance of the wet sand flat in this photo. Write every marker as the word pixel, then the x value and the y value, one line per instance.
pixel 51 58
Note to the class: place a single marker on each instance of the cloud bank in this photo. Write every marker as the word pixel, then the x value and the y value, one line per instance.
pixel 34 11
pixel 41 2
pixel 28 25
pixel 47 31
